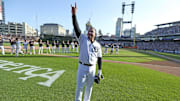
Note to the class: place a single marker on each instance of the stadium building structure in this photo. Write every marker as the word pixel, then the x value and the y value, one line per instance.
pixel 165 38
pixel 165 31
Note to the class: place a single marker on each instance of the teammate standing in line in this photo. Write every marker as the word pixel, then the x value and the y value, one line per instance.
pixel 57 47
pixel 13 45
pixel 112 48
pixel 105 49
pixel 48 47
pixel 117 48
pixel 63 46
pixel 76 47
pixel 25 47
pixel 1 45
pixel 53 46
pixel 40 47
pixel 18 47
pixel 67 47
pixel 32 48
pixel 72 47
pixel 90 53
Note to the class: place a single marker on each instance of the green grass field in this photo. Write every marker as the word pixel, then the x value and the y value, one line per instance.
pixel 176 56
pixel 125 55
pixel 122 82
pixel 128 55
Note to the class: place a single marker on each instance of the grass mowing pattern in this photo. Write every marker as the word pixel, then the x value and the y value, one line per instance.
pixel 176 56
pixel 122 82
pixel 133 83
pixel 127 55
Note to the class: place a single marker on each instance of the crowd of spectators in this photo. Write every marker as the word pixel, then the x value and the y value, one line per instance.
pixel 165 31
pixel 160 46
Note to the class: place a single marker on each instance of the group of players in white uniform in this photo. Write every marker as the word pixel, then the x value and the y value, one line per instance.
pixel 112 46
pixel 55 47
pixel 52 48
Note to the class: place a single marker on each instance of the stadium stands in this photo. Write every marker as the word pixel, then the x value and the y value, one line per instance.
pixel 166 36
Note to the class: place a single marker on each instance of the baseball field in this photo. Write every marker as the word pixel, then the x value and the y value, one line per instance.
pixel 128 76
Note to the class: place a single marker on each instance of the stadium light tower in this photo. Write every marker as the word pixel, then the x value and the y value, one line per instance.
pixel 132 12
pixel 123 7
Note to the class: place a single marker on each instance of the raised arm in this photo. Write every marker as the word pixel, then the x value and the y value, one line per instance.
pixel 74 20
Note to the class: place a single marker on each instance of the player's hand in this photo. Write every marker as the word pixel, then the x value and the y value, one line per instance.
pixel 97 79
pixel 99 73
pixel 74 9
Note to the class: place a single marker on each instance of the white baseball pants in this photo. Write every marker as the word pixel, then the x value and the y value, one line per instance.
pixel 85 76
pixel 13 47
pixel 48 49
pixel 32 48
pixel 40 50
pixel 53 49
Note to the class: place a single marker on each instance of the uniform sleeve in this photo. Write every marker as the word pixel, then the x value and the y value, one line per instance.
pixel 76 26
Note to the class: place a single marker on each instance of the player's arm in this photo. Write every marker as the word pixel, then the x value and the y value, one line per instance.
pixel 99 61
pixel 99 66
pixel 74 20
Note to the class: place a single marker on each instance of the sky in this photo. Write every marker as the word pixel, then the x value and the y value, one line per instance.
pixel 103 14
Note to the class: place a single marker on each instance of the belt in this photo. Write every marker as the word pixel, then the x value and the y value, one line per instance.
pixel 85 64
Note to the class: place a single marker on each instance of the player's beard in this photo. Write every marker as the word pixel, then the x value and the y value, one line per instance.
pixel 91 38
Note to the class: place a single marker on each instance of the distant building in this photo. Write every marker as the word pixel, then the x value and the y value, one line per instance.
pixel 129 32
pixel 52 29
pixel 2 18
pixel 88 25
pixel 119 27
pixel 38 33
pixel 20 29
pixel 67 32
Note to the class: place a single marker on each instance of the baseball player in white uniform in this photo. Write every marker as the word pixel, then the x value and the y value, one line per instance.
pixel 32 47
pixel 53 46
pixel 63 45
pixel 76 47
pixel 89 54
pixel 112 48
pixel 117 48
pixel 48 47
pixel 1 45
pixel 18 47
pixel 40 47
pixel 72 47
pixel 13 45
pixel 25 47
pixel 105 49
pixel 67 46
pixel 57 47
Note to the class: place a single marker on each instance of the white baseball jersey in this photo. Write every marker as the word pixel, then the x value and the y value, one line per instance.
pixel 18 44
pixel 72 45
pixel 89 52
pixel 25 44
